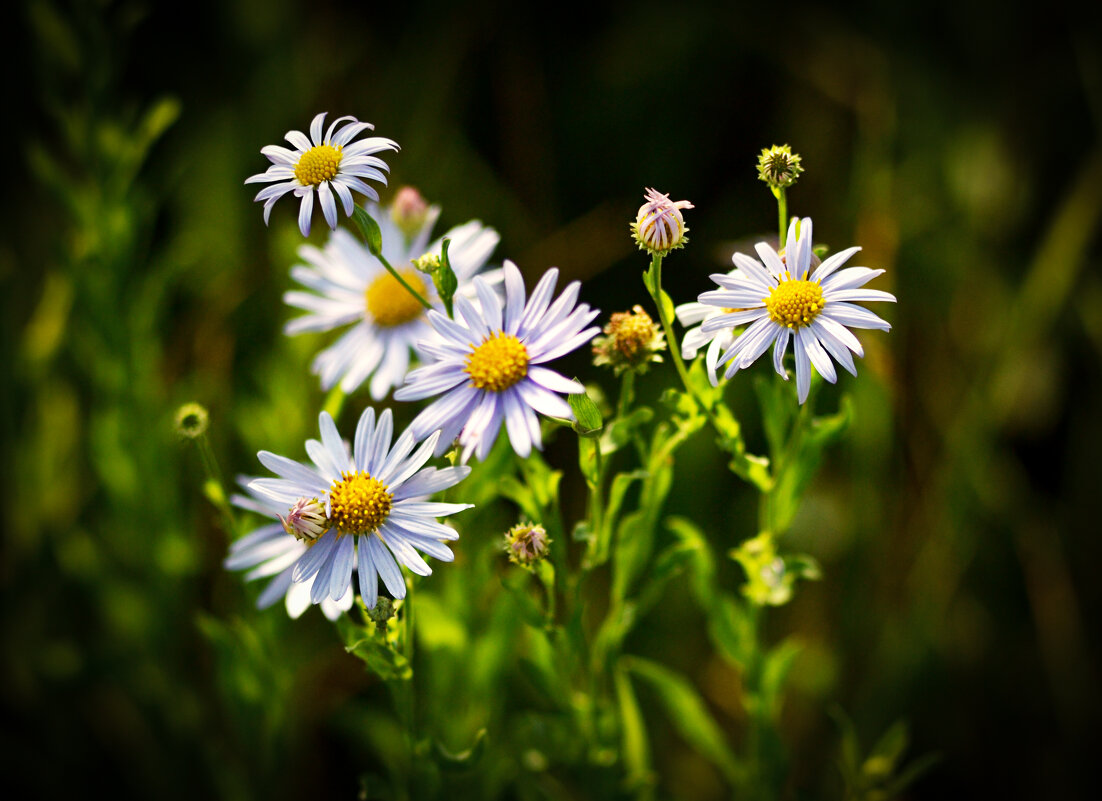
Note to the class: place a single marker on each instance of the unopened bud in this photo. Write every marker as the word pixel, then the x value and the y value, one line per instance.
pixel 382 611
pixel 779 167
pixel 191 420
pixel 409 211
pixel 659 226
pixel 306 520
pixel 429 263
pixel 526 543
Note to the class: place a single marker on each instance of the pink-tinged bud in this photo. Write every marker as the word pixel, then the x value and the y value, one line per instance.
pixel 659 226
pixel 526 543
pixel 306 520
pixel 409 210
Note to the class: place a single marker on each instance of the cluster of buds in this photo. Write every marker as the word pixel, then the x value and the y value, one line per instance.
pixel 526 543
pixel 631 341
pixel 779 167
pixel 659 226
pixel 306 520
pixel 409 211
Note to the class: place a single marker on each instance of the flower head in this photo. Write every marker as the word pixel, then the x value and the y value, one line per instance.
pixel 488 364
pixel 271 551
pixel 779 301
pixel 659 226
pixel 778 166
pixel 330 165
pixel 526 543
pixel 375 505
pixel 347 285
pixel 631 342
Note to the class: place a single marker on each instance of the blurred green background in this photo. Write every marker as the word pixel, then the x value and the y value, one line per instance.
pixel 957 525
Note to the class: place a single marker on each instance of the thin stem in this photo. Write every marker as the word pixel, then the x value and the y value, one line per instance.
pixel 334 401
pixel 402 281
pixel 216 491
pixel 674 345
pixel 667 326
pixel 782 216
pixel 627 394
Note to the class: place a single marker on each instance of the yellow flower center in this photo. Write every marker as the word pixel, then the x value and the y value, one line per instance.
pixel 359 503
pixel 498 363
pixel 795 304
pixel 389 303
pixel 318 164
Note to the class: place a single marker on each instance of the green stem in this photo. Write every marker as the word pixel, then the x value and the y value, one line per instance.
pixel 667 327
pixel 216 491
pixel 782 216
pixel 675 346
pixel 627 394
pixel 402 281
pixel 334 402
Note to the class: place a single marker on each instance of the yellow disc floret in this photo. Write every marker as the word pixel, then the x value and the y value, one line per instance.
pixel 498 363
pixel 795 304
pixel 318 164
pixel 389 303
pixel 359 503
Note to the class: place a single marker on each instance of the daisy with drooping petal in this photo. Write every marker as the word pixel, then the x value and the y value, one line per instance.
pixel 779 301
pixel 272 550
pixel 489 364
pixel 331 164
pixel 689 314
pixel 349 285
pixel 375 505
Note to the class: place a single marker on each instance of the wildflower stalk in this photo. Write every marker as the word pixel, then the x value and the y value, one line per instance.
pixel 373 238
pixel 213 487
pixel 334 401
pixel 402 281
pixel 192 420
pixel 782 215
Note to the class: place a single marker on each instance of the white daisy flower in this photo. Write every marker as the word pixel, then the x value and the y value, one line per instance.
pixel 348 285
pixel 271 551
pixel 778 301
pixel 329 164
pixel 689 314
pixel 488 364
pixel 375 504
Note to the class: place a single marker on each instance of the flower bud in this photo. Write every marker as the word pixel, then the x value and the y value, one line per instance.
pixel 659 226
pixel 191 420
pixel 779 167
pixel 306 520
pixel 631 342
pixel 409 210
pixel 428 264
pixel 526 543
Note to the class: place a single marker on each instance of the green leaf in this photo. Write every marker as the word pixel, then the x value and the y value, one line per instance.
pixel 375 649
pixel 731 630
pixel 688 713
pixel 587 416
pixel 775 671
pixel 369 229
pixel 465 759
pixel 443 277
pixel 884 756
pixel 703 573
pixel 633 734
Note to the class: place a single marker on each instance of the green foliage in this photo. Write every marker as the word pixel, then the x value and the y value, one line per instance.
pixel 880 774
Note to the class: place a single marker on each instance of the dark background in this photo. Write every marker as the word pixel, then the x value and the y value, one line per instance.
pixel 957 525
